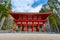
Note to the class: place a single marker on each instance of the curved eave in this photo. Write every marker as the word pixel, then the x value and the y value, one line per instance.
pixel 16 15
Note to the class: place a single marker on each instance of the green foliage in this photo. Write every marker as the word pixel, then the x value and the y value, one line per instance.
pixel 54 7
pixel 53 17
pixel 4 8
pixel 51 20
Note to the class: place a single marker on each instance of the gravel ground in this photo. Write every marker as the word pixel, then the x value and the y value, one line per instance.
pixel 28 36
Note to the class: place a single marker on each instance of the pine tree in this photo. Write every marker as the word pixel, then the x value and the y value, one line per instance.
pixel 4 8
pixel 54 19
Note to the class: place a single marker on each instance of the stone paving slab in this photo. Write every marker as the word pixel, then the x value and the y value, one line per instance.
pixel 26 36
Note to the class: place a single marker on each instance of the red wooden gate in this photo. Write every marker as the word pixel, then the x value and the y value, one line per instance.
pixel 32 19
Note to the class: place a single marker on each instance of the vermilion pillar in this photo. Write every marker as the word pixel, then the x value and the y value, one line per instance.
pixel 21 27
pixel 26 26
pixel 20 17
pixel 32 26
pixel 38 26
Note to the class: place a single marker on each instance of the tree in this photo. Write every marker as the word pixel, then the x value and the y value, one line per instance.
pixel 4 8
pixel 54 19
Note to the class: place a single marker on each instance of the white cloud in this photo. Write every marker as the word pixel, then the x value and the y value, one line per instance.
pixel 21 5
pixel 37 9
pixel 59 0
pixel 24 6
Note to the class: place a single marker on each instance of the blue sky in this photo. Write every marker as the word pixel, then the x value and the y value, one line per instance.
pixel 27 5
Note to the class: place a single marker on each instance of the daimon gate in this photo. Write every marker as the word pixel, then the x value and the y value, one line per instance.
pixel 30 21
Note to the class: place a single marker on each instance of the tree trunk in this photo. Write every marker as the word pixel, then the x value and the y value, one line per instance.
pixel 56 25
pixel 49 25
pixel 2 22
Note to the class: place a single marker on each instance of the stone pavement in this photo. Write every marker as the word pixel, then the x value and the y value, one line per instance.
pixel 28 36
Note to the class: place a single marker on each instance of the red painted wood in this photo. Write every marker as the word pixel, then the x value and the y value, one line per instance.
pixel 26 26
pixel 17 15
pixel 38 26
pixel 20 17
pixel 21 27
pixel 32 26
pixel 29 20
